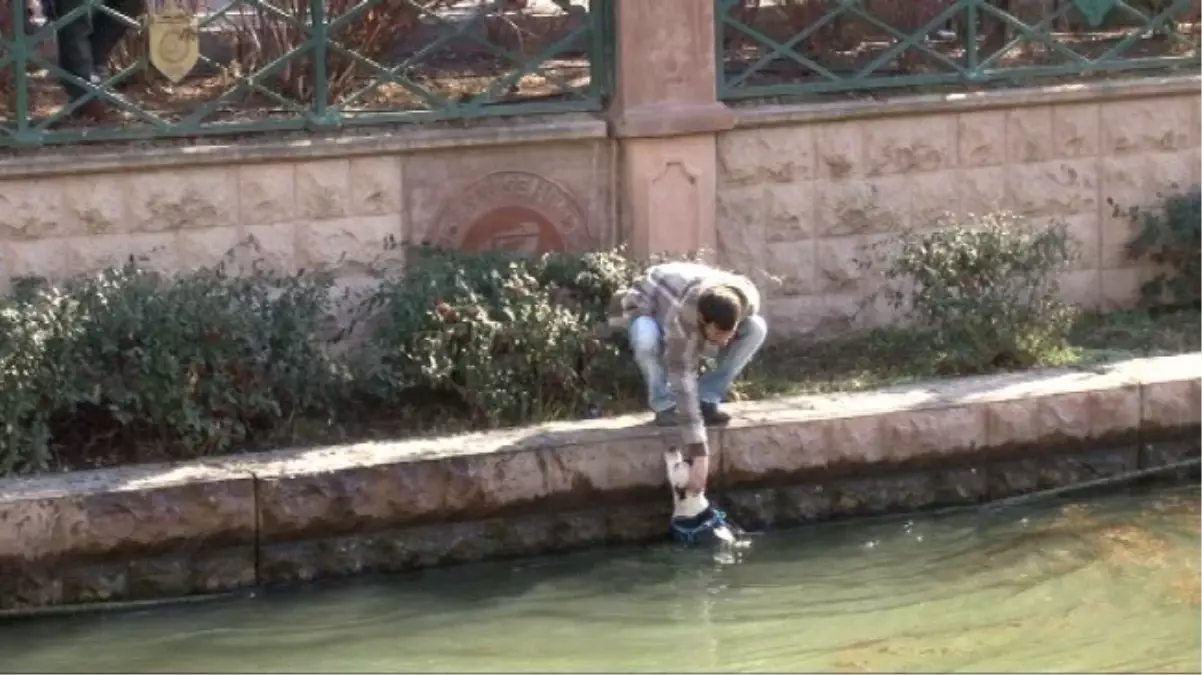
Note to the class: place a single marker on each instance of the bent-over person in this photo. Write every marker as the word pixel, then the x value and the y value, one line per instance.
pixel 673 314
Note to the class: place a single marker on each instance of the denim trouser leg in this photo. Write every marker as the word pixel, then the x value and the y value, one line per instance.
pixel 74 44
pixel 732 359
pixel 108 31
pixel 647 343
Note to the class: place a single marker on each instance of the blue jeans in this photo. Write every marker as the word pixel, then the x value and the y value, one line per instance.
pixel 647 343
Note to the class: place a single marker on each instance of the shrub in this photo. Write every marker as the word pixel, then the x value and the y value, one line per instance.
pixel 1170 236
pixel 984 290
pixel 179 366
pixel 501 338
pixel 130 365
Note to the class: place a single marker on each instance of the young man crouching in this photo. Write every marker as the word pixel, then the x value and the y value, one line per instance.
pixel 675 313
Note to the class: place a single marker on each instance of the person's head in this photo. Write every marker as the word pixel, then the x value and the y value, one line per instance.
pixel 720 309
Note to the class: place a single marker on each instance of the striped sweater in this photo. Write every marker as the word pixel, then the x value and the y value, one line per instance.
pixel 668 293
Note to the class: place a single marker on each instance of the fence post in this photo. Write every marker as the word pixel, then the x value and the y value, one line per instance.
pixel 665 115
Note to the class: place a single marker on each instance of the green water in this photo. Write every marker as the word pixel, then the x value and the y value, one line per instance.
pixel 1104 585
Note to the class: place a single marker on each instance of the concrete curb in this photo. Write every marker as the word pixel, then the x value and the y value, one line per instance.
pixel 207 526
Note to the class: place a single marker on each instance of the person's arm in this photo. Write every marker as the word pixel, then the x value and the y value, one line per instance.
pixel 681 350
pixel 627 305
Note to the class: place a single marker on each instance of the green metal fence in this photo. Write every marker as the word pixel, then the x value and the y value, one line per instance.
pixel 279 65
pixel 781 48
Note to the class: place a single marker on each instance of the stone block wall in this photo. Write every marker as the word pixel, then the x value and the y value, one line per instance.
pixel 326 212
pixel 796 191
pixel 802 199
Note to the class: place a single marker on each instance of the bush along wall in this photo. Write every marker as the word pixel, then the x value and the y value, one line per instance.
pixel 494 337
pixel 1168 238
pixel 130 365
pixel 159 366
pixel 984 291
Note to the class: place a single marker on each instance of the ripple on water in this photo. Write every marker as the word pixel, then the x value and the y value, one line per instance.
pixel 1108 584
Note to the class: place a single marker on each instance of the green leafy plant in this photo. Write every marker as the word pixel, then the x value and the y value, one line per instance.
pixel 497 337
pixel 983 290
pixel 132 365
pixel 1170 237
pixel 173 366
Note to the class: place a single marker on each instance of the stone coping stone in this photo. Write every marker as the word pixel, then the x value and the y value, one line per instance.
pixel 211 525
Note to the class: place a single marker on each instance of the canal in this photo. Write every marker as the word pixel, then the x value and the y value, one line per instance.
pixel 1103 584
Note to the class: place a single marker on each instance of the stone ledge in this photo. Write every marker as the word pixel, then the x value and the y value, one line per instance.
pixel 51 161
pixel 1061 94
pixel 213 525
pixel 671 118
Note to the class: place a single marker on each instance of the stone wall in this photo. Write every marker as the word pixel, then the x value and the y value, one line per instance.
pixel 797 191
pixel 800 194
pixel 314 205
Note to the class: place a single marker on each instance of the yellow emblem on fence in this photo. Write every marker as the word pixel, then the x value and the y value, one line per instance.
pixel 174 38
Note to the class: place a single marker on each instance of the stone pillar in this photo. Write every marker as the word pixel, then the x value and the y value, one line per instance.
pixel 665 114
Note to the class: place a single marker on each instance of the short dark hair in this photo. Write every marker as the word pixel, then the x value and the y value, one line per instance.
pixel 720 306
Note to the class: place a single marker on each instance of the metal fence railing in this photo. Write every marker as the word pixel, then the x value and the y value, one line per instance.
pixel 782 48
pixel 110 70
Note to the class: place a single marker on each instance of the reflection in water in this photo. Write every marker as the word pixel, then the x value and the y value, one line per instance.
pixel 1109 584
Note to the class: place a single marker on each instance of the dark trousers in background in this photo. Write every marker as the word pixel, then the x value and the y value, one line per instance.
pixel 85 44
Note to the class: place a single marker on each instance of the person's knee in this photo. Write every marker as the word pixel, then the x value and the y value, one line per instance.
pixel 754 330
pixel 644 337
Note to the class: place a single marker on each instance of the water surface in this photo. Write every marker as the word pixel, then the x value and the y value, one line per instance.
pixel 1109 584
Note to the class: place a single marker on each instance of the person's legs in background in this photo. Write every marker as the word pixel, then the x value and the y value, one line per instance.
pixel 85 45
pixel 108 30
pixel 731 361
pixel 74 44
pixel 647 343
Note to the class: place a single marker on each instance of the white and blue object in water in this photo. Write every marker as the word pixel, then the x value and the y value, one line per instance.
pixel 694 519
